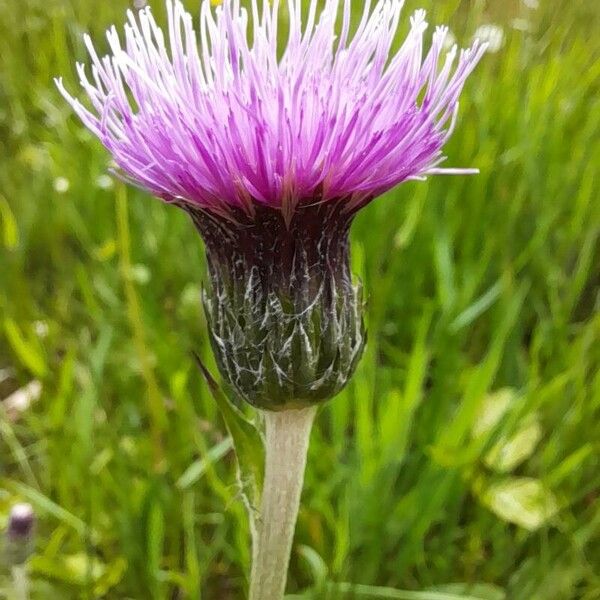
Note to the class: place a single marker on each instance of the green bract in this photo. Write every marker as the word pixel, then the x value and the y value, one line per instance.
pixel 284 315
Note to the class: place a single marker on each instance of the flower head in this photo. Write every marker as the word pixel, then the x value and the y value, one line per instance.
pixel 272 155
pixel 216 119
pixel 19 536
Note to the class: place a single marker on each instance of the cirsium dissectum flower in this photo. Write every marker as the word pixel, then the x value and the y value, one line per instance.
pixel 215 119
pixel 272 156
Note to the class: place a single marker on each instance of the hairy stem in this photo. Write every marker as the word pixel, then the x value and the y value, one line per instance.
pixel 20 582
pixel 286 445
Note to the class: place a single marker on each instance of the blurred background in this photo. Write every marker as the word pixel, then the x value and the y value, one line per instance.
pixel 462 461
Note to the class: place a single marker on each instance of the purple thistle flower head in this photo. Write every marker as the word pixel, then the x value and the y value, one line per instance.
pixel 272 156
pixel 214 119
pixel 19 535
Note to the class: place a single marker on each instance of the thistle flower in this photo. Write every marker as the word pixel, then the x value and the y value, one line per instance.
pixel 272 156
pixel 19 536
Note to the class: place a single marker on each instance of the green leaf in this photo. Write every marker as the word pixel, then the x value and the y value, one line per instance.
pixel 155 529
pixel 493 409
pixel 521 500
pixel 247 441
pixel 195 471
pixel 26 349
pixel 509 453
pixel 317 566
pixel 348 590
pixel 477 308
pixel 485 591
pixel 10 231
pixel 511 449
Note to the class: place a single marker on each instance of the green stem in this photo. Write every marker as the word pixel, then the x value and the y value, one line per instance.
pixel 286 447
pixel 20 582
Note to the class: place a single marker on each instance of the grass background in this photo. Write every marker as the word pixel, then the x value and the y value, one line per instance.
pixel 462 461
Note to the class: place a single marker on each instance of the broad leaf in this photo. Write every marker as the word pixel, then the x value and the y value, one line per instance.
pixel 521 500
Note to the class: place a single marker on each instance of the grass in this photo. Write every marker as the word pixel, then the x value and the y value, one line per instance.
pixel 462 461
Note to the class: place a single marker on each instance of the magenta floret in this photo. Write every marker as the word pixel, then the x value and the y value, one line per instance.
pixel 216 119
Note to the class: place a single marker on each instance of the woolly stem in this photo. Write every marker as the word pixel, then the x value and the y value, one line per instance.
pixel 286 447
pixel 20 582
